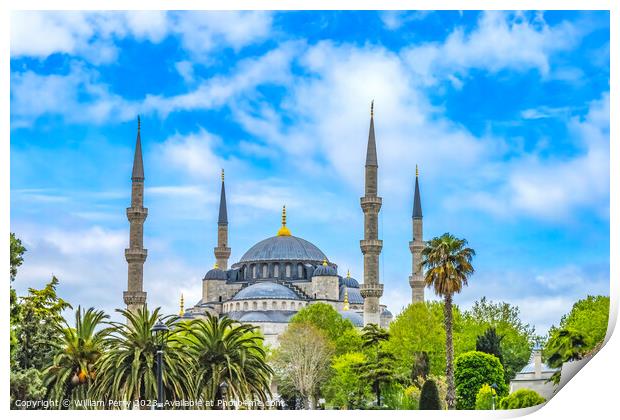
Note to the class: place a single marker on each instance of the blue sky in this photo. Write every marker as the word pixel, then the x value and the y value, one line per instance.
pixel 507 115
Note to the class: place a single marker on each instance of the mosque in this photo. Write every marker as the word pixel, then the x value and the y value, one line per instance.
pixel 284 273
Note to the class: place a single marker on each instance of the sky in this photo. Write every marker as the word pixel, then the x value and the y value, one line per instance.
pixel 506 114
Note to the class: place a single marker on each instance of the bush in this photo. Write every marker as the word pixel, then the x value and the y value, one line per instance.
pixel 472 370
pixel 521 399
pixel 429 397
pixel 484 398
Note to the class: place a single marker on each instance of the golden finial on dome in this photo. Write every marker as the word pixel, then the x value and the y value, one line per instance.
pixel 215 265
pixel 222 174
pixel 345 307
pixel 348 274
pixel 417 172
pixel 182 306
pixel 284 230
pixel 324 262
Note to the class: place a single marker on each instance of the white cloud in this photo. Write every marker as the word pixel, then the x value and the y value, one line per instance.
pixel 395 19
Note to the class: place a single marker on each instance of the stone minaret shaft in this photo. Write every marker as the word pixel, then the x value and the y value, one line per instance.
pixel 371 246
pixel 416 280
pixel 135 255
pixel 222 251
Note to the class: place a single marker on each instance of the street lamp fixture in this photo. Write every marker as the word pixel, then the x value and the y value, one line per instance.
pixel 494 386
pixel 159 332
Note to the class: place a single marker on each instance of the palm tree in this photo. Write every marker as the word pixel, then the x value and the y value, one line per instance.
pixel 226 354
pixel 565 345
pixel 77 351
pixel 127 371
pixel 447 261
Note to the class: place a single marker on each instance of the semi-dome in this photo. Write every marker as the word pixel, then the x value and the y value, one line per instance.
pixel 266 290
pixel 216 274
pixel 355 318
pixel 282 248
pixel 325 270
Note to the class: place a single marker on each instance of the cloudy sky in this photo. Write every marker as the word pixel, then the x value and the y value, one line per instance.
pixel 507 115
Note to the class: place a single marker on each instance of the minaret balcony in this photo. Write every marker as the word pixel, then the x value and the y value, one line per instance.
pixel 371 203
pixel 135 255
pixel 371 290
pixel 137 213
pixel 371 246
pixel 222 251
pixel 134 298
pixel 416 245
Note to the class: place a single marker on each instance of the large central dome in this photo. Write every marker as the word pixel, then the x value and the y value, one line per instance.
pixel 282 248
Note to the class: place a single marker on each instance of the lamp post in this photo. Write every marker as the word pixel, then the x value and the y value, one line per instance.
pixel 494 387
pixel 159 332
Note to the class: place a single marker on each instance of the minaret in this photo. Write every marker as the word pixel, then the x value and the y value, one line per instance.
pixel 416 279
pixel 371 246
pixel 222 251
pixel 135 255
pixel 182 306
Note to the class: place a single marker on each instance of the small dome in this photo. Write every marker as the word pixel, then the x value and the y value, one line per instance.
pixel 349 281
pixel 385 312
pixel 325 270
pixel 266 290
pixel 216 274
pixel 355 318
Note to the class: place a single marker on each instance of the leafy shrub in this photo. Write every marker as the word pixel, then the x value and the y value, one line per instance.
pixel 472 370
pixel 429 397
pixel 484 398
pixel 521 398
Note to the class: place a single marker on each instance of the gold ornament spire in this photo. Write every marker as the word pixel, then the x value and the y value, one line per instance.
pixel 417 172
pixel 182 306
pixel 348 274
pixel 222 174
pixel 284 230
pixel 372 108
pixel 215 266
pixel 345 307
pixel 138 123
pixel 324 262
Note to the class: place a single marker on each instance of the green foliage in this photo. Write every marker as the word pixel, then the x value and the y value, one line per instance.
pixel 429 396
pixel 324 317
pixel 17 252
pixel 471 371
pixel 589 316
pixel 521 398
pixel 345 389
pixel 40 312
pixel 485 398
pixel 224 351
pixel 421 368
pixel 564 346
pixel 75 354
pixel 26 385
pixel 489 343
pixel 397 397
pixel 301 362
pixel 127 372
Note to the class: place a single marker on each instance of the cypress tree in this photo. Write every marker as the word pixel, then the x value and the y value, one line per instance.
pixel 429 396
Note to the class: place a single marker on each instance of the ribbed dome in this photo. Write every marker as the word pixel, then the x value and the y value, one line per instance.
pixel 266 290
pixel 280 248
pixel 216 274
pixel 354 317
pixel 325 270
pixel 349 282
pixel 354 295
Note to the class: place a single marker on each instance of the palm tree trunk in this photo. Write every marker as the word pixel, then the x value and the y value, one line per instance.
pixel 450 395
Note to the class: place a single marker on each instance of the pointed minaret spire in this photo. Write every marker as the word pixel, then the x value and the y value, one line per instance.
pixel 416 280
pixel 372 289
pixel 138 169
pixel 222 251
pixel 135 296
pixel 371 149
pixel 182 306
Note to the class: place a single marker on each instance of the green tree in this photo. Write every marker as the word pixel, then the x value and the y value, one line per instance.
pixel 421 368
pixel 227 352
pixel 17 252
pixel 564 345
pixel 521 398
pixel 345 389
pixel 429 396
pixel 127 370
pixel 589 316
pixel 517 337
pixel 447 261
pixel 485 399
pixel 76 352
pixel 471 371
pixel 26 385
pixel 340 332
pixel 301 362
pixel 490 343
pixel 40 312
pixel 379 369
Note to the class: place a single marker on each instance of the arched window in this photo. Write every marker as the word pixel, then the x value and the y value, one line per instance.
pixel 264 271
pixel 300 271
pixel 265 306
pixel 299 305
pixel 276 270
pixel 292 305
pixel 237 306
pixel 245 306
pixel 220 299
pixel 253 271
pixel 288 270
pixel 274 305
pixel 283 305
